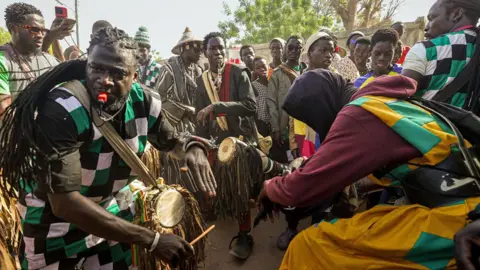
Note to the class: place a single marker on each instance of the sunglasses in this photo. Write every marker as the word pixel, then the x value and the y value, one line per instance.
pixel 353 41
pixel 34 29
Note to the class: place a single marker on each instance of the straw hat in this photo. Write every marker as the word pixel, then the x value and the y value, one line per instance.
pixel 187 37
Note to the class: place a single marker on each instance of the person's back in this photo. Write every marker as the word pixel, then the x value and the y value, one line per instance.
pixel 451 43
pixel 444 57
pixel 382 133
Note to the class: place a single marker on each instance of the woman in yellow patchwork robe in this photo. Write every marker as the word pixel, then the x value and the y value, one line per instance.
pixel 381 134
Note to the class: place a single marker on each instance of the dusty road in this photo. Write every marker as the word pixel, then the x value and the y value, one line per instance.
pixel 265 256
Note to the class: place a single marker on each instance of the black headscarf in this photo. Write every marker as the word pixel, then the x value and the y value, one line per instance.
pixel 316 97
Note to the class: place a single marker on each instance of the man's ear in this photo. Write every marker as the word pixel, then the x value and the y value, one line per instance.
pixel 135 76
pixel 458 14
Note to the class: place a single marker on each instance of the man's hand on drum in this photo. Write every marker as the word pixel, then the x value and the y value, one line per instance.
pixel 467 246
pixel 203 115
pixel 173 249
pixel 197 164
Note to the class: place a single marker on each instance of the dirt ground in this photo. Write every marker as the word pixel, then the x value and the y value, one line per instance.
pixel 265 255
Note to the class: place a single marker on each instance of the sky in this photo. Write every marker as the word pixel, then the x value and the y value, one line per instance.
pixel 166 20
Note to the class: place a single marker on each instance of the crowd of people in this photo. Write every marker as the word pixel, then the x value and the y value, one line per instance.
pixel 387 135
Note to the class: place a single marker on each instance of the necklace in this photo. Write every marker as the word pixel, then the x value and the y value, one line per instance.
pixel 22 63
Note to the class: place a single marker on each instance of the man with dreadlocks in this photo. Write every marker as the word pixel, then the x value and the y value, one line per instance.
pixel 22 60
pixel 148 70
pixel 226 107
pixel 68 175
pixel 452 43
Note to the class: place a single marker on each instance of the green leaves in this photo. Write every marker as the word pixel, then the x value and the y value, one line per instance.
pixel 4 36
pixel 259 21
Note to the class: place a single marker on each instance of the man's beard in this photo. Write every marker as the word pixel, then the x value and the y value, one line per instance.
pixel 115 106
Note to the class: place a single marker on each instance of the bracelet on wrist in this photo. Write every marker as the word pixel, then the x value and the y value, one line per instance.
pixel 155 242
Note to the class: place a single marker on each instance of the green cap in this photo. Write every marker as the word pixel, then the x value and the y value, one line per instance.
pixel 142 36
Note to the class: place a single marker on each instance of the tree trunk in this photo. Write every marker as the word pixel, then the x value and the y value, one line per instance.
pixel 351 14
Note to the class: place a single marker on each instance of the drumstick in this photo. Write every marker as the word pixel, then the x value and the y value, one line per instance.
pixel 184 169
pixel 202 235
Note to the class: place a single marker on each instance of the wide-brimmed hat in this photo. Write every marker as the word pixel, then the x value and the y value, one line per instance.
pixel 185 41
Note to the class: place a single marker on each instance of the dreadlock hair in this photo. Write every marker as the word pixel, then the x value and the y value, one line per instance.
pixel 210 36
pixel 18 150
pixel 15 13
pixel 384 35
pixel 470 7
pixel 246 47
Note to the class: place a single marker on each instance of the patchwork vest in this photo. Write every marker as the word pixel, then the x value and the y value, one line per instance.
pixel 435 178
pixel 49 239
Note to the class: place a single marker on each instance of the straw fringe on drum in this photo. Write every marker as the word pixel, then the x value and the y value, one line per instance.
pixel 165 166
pixel 151 159
pixel 10 231
pixel 239 178
pixel 189 228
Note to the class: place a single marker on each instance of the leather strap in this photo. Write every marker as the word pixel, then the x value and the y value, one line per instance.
pixel 110 134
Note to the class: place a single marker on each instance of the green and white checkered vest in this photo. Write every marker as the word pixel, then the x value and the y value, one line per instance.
pixel 49 239
pixel 447 55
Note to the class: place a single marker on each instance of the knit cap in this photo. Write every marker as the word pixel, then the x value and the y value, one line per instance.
pixel 142 36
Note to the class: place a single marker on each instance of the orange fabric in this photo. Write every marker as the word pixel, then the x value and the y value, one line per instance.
pixel 270 72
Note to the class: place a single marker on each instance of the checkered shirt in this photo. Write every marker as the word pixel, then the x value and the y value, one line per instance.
pixel 447 56
pixel 49 240
pixel 151 75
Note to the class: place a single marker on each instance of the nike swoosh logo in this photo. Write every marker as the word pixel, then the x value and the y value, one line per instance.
pixel 457 183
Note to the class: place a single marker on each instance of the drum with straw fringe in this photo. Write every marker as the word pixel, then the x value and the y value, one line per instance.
pixel 168 209
pixel 166 166
pixel 10 231
pixel 240 171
